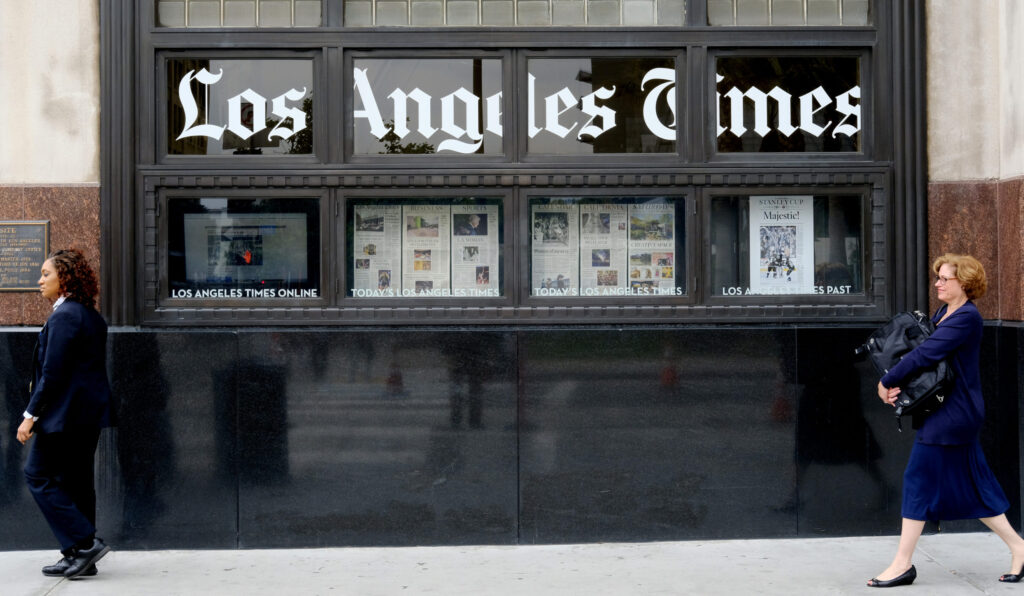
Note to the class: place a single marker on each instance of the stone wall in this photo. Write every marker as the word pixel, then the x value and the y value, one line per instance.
pixel 975 157
pixel 49 158
pixel 73 211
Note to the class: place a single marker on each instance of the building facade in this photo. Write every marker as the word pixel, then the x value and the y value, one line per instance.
pixel 510 271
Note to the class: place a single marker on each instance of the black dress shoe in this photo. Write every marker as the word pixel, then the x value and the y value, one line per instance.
pixel 85 558
pixel 58 568
pixel 905 579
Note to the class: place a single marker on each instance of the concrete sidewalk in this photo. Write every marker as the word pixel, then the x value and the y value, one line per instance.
pixel 947 564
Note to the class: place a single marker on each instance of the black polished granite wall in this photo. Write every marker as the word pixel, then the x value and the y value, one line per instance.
pixel 289 438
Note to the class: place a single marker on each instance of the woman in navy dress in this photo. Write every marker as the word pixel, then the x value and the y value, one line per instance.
pixel 947 477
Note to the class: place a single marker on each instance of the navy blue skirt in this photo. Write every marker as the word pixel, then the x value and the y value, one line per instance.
pixel 946 482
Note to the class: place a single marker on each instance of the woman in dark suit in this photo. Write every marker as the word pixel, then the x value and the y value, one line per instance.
pixel 947 476
pixel 69 404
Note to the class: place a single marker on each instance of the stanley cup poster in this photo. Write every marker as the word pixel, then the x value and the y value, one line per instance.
pixel 781 245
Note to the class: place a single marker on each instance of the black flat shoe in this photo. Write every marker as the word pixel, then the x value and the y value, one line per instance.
pixel 905 579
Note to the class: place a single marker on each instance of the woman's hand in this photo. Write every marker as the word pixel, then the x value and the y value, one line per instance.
pixel 25 430
pixel 888 395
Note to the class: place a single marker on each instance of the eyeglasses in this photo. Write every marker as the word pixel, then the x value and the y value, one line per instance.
pixel 939 279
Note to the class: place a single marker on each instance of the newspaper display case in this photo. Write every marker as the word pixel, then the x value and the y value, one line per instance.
pixel 787 245
pixel 241 249
pixel 451 248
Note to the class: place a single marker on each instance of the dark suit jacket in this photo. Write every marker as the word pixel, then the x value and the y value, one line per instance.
pixel 70 387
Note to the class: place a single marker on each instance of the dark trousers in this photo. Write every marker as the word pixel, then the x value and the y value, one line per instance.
pixel 60 473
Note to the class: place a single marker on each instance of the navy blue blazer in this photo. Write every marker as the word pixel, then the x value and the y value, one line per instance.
pixel 69 386
pixel 960 418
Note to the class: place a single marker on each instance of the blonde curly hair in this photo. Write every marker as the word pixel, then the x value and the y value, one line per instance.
pixel 969 272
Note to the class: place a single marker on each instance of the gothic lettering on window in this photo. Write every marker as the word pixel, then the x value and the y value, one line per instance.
pixel 792 104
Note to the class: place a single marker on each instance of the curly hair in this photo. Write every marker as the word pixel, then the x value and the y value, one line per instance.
pixel 76 277
pixel 969 272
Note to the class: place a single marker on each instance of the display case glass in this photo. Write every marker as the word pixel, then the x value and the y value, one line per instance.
pixel 607 246
pixel 791 244
pixel 450 247
pixel 243 248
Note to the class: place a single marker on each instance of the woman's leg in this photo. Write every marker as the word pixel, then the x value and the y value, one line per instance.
pixel 1002 528
pixel 909 533
pixel 45 470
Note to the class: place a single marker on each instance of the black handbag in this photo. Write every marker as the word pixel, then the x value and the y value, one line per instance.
pixel 922 393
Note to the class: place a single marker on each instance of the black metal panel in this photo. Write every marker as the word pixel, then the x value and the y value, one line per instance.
pixel 909 229
pixel 1013 350
pixel 1001 369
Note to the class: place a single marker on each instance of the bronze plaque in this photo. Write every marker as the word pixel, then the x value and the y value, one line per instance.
pixel 23 248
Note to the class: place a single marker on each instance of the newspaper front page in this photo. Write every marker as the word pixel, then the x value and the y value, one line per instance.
pixel 652 245
pixel 475 254
pixel 426 249
pixel 376 250
pixel 782 245
pixel 603 240
pixel 556 247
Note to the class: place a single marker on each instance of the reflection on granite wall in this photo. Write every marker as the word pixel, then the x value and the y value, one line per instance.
pixel 290 437
pixel 656 434
pixel 74 215
pixel 985 219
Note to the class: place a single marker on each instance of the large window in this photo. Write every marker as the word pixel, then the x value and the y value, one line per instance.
pixel 596 105
pixel 788 104
pixel 425 106
pixel 239 107
pixel 788 13
pixel 364 173
pixel 514 13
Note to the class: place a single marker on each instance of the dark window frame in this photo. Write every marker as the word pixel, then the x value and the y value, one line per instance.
pixel 893 164
pixel 867 153
pixel 436 159
pixel 870 206
pixel 683 121
pixel 505 243
pixel 689 246
pixel 163 105
pixel 163 234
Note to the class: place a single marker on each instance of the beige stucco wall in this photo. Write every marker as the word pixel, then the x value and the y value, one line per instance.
pixel 975 93
pixel 1011 86
pixel 50 92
